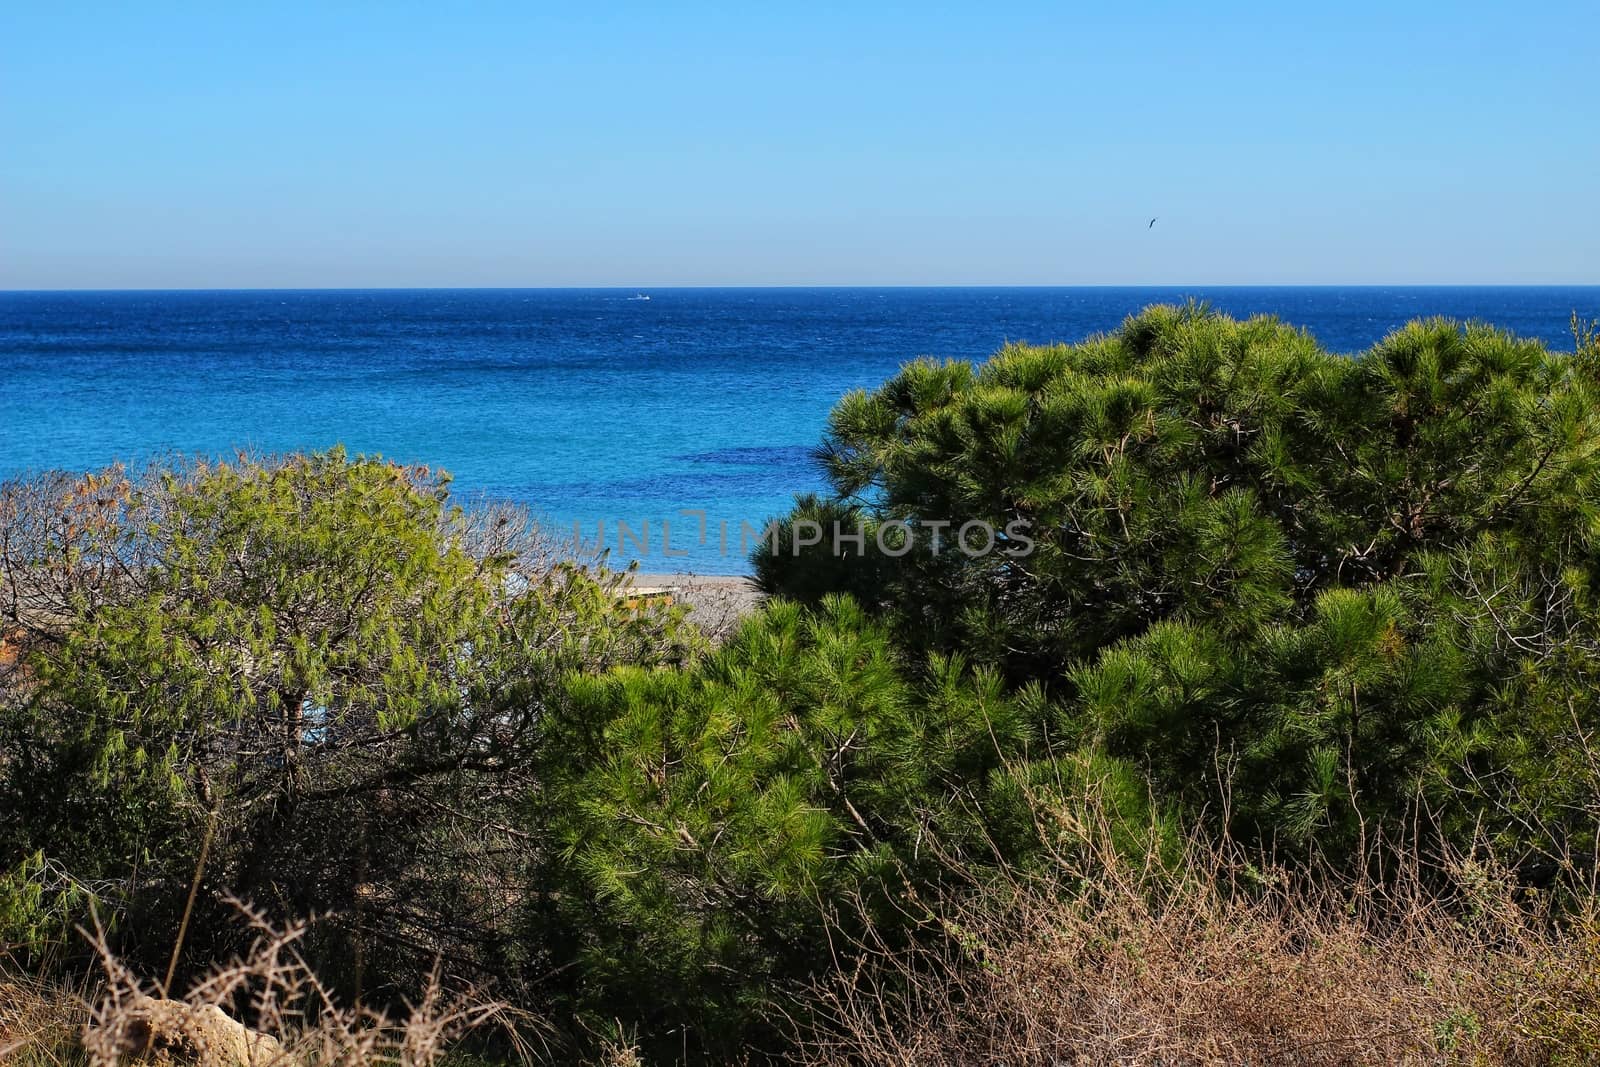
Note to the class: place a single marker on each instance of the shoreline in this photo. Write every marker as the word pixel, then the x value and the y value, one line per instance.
pixel 717 602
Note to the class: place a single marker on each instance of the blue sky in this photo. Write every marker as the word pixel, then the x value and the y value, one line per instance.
pixel 223 145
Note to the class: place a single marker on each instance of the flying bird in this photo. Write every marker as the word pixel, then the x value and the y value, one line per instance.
pixel 1152 222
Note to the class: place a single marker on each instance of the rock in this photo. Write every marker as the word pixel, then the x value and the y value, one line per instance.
pixel 174 1034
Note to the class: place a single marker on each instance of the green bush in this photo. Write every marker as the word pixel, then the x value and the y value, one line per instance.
pixel 313 672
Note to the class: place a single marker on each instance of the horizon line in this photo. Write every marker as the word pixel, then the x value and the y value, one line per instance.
pixel 778 287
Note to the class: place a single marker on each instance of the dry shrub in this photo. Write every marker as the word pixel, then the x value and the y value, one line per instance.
pixel 1105 961
pixel 279 995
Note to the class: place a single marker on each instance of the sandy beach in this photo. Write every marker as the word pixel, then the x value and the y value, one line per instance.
pixel 716 601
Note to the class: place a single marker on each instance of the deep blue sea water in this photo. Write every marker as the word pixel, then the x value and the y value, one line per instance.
pixel 586 404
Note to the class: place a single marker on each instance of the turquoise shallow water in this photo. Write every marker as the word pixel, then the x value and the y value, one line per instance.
pixel 589 405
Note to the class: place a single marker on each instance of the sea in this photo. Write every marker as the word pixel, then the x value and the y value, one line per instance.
pixel 686 416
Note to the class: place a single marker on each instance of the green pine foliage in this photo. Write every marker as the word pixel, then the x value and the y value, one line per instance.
pixel 1323 594
pixel 802 777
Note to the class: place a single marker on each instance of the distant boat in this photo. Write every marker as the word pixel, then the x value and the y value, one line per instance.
pixel 639 296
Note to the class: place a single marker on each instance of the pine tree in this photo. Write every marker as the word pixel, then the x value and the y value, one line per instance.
pixel 1322 593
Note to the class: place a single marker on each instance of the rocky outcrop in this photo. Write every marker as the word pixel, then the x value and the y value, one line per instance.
pixel 174 1034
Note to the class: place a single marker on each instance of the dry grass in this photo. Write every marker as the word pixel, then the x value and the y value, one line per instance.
pixel 39 1024
pixel 1099 960
pixel 122 1019
pixel 1104 962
